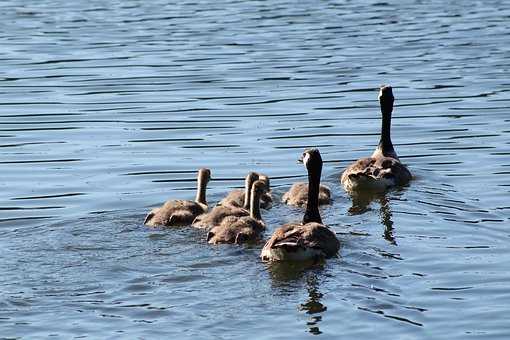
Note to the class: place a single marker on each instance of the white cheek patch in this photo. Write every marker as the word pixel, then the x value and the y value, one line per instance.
pixel 306 158
pixel 380 94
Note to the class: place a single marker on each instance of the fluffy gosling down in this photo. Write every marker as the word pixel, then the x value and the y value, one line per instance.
pixel 241 198
pixel 244 229
pixel 181 212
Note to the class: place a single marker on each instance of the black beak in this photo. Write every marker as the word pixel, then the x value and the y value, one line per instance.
pixel 300 159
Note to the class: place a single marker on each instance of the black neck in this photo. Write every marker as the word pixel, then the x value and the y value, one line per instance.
pixel 312 206
pixel 385 144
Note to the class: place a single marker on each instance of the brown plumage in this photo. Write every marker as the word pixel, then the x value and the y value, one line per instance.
pixel 266 200
pixel 375 173
pixel 181 212
pixel 383 169
pixel 216 216
pixel 241 198
pixel 235 229
pixel 234 198
pixel 298 242
pixel 298 195
pixel 309 239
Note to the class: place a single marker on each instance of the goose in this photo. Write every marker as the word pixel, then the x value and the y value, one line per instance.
pixel 310 239
pixel 241 198
pixel 383 169
pixel 181 212
pixel 244 229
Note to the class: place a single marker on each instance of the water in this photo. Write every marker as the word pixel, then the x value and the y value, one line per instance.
pixel 108 108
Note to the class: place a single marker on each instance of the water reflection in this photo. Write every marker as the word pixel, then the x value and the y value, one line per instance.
pixel 385 216
pixel 361 204
pixel 288 276
pixel 284 273
pixel 313 305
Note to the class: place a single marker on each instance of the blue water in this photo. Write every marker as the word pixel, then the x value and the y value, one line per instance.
pixel 107 108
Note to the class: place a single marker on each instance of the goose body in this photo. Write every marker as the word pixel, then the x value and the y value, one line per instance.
pixel 375 174
pixel 241 229
pixel 181 212
pixel 310 239
pixel 300 242
pixel 383 169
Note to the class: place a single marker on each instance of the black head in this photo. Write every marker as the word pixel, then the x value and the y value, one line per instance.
pixel 386 98
pixel 311 158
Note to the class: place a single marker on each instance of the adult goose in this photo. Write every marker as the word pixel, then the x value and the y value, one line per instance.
pixel 244 229
pixel 241 198
pixel 298 194
pixel 383 169
pixel 309 239
pixel 181 212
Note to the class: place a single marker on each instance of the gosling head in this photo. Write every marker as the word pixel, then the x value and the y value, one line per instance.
pixel 386 99
pixel 204 174
pixel 251 177
pixel 265 179
pixel 259 187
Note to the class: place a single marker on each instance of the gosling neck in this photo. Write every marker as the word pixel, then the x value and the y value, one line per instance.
pixel 248 183
pixel 255 205
pixel 312 206
pixel 201 189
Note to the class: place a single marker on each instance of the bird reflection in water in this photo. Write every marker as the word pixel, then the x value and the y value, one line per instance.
pixel 313 305
pixel 385 214
pixel 289 274
pixel 361 204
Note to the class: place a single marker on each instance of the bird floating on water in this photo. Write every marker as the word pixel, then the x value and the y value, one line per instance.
pixel 383 169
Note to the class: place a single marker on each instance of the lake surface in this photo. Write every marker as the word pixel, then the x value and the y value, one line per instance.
pixel 108 108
